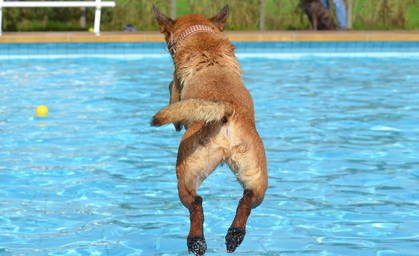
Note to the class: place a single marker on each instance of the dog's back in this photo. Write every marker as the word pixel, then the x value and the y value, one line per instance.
pixel 209 98
pixel 216 73
pixel 319 16
pixel 207 69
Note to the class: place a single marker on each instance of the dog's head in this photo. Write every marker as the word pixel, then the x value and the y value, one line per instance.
pixel 171 29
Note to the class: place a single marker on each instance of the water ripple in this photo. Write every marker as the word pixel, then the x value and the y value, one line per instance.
pixel 93 178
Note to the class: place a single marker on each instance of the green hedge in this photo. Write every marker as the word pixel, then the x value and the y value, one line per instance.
pixel 244 15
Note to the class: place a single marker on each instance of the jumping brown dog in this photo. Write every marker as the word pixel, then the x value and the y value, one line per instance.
pixel 319 16
pixel 208 98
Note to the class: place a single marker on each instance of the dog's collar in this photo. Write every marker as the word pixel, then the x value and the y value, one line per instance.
pixel 171 44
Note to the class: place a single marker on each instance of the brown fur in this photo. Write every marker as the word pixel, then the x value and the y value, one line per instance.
pixel 181 112
pixel 319 16
pixel 208 97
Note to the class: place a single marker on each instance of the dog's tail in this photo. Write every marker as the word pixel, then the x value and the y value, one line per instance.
pixel 192 110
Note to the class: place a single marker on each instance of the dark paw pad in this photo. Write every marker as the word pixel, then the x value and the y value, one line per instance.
pixel 234 238
pixel 197 245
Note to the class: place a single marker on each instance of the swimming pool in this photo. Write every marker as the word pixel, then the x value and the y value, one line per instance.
pixel 93 178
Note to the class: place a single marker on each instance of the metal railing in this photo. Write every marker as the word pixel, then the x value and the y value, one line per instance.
pixel 98 4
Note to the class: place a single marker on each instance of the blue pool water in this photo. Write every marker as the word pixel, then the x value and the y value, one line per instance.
pixel 93 178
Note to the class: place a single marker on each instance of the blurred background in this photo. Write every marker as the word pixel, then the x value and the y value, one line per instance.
pixel 249 15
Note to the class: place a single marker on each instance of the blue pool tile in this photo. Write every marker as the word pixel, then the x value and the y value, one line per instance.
pixel 4 49
pixel 132 49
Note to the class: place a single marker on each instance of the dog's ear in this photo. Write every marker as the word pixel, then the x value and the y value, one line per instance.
pixel 165 23
pixel 220 19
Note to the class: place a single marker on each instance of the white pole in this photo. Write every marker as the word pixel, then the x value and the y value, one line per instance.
pixel 262 15
pixel 173 9
pixel 98 12
pixel 349 17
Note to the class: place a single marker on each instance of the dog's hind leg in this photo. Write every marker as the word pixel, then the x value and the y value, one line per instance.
pixel 197 158
pixel 196 240
pixel 249 166
pixel 237 230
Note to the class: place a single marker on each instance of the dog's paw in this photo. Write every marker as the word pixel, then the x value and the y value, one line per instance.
pixel 234 238
pixel 197 245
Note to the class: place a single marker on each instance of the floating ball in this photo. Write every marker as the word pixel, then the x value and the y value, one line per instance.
pixel 90 29
pixel 42 110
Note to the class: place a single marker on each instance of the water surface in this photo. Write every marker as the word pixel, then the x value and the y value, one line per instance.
pixel 93 178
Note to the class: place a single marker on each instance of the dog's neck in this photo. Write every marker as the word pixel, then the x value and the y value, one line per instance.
pixel 172 42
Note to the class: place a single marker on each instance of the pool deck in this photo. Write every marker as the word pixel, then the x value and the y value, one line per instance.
pixel 271 36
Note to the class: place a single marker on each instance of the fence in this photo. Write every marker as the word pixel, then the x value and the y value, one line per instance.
pixel 98 4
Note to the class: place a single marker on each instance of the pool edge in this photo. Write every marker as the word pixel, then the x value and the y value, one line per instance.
pixel 271 36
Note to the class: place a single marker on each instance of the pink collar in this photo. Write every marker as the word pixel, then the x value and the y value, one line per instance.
pixel 187 32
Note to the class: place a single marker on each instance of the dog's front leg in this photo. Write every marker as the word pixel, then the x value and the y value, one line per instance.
pixel 315 21
pixel 174 89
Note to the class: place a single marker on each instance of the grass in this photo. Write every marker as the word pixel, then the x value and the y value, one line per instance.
pixel 244 15
pixel 386 14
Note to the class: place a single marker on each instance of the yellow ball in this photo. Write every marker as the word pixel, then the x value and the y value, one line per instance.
pixel 42 110
pixel 90 29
